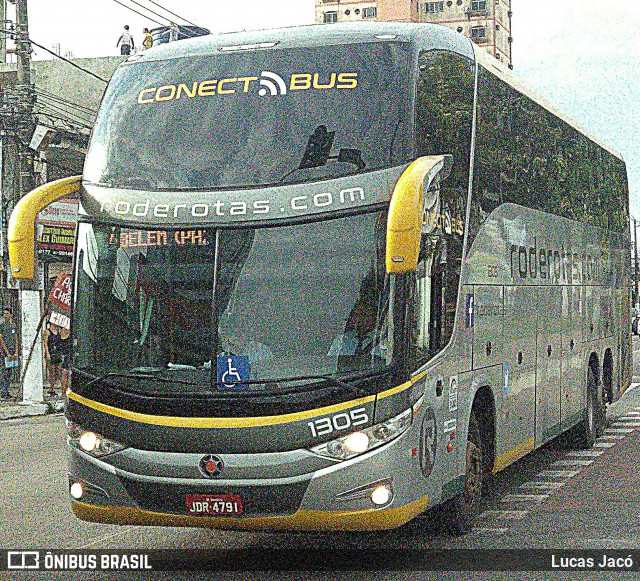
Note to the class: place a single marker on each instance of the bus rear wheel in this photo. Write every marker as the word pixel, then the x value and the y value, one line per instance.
pixel 463 507
pixel 592 424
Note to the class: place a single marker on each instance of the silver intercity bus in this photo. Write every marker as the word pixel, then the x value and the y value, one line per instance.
pixel 328 277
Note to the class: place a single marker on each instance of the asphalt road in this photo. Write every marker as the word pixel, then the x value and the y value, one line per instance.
pixel 556 498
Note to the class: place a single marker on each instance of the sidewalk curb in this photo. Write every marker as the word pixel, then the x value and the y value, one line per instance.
pixel 30 409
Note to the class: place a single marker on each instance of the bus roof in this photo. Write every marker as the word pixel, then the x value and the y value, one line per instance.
pixel 309 36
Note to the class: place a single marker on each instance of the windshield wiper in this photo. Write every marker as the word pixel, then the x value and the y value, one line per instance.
pixel 333 380
pixel 150 374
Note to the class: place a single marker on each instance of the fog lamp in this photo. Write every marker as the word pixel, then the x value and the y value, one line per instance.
pixel 381 495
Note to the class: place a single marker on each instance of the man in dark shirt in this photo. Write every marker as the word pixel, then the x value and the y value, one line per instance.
pixel 9 344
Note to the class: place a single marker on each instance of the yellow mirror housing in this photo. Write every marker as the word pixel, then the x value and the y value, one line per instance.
pixel 21 228
pixel 405 212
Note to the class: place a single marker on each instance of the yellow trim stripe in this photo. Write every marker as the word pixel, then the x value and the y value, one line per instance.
pixel 303 520
pixel 399 389
pixel 186 422
pixel 511 456
pixel 251 422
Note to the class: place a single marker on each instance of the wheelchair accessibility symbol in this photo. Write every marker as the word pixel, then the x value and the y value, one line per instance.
pixel 231 370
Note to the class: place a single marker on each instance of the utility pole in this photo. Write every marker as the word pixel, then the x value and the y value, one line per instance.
pixel 30 301
pixel 24 93
pixel 3 35
pixel 635 260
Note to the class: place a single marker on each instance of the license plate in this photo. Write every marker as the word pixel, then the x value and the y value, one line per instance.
pixel 214 504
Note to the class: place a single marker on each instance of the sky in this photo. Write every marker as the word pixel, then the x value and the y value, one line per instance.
pixel 580 54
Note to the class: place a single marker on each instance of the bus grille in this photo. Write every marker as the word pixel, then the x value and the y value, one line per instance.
pixel 256 500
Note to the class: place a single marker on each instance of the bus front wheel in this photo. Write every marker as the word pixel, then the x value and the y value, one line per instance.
pixel 463 507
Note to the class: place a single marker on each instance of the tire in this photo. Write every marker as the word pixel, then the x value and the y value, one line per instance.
pixel 592 424
pixel 602 399
pixel 461 510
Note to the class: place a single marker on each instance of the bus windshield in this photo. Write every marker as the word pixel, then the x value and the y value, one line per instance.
pixel 256 118
pixel 293 301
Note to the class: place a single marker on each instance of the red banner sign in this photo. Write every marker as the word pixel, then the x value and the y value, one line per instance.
pixel 60 295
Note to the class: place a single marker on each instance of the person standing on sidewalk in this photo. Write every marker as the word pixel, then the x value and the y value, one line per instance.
pixel 126 41
pixel 9 344
pixel 174 32
pixel 53 356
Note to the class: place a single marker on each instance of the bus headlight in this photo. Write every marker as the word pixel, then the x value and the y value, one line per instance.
pixel 364 440
pixel 76 490
pixel 92 443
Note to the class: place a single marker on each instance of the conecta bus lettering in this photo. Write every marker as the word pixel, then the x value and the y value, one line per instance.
pixel 233 85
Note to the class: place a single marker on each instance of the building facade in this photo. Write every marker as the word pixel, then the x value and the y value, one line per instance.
pixel 329 12
pixel 485 22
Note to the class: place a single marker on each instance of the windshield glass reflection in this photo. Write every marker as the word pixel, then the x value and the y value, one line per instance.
pixel 267 304
pixel 306 299
pixel 339 114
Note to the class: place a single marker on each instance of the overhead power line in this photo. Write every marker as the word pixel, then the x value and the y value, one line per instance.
pixel 59 123
pixel 50 109
pixel 173 13
pixel 156 13
pixel 140 13
pixel 152 12
pixel 57 98
pixel 58 56
pixel 68 61
pixel 187 33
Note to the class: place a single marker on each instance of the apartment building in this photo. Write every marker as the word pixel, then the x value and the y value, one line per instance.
pixel 331 11
pixel 485 22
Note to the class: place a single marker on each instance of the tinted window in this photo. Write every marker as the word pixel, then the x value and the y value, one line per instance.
pixel 526 155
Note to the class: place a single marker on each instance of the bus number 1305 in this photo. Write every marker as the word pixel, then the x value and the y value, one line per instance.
pixel 338 422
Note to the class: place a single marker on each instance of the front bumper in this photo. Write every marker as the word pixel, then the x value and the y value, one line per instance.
pixel 301 520
pixel 298 490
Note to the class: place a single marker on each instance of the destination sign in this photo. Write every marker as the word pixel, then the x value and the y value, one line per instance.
pixel 146 238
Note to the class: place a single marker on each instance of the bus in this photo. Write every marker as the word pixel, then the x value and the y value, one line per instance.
pixel 329 277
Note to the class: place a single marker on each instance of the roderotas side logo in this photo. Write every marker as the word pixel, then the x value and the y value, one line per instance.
pixel 268 84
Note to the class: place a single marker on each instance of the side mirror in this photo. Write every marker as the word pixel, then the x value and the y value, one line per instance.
pixel 21 228
pixel 406 210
